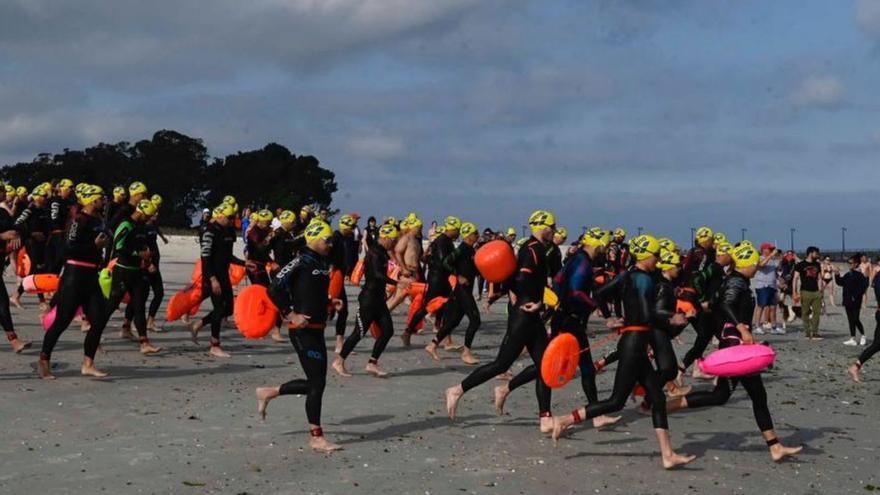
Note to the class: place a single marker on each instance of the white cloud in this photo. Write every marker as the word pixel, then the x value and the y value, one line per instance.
pixel 824 91
pixel 376 147
pixel 868 16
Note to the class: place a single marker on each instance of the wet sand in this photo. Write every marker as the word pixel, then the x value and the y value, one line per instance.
pixel 183 422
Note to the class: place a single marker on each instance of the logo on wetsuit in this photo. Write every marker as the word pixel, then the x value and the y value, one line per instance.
pixel 315 355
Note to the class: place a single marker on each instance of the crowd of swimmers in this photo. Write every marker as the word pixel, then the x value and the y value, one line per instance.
pixel 646 290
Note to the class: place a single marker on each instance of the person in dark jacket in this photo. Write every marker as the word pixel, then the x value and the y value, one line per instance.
pixel 854 284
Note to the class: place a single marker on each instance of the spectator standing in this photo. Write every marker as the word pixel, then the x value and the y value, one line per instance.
pixel 855 285
pixel 808 290
pixel 766 290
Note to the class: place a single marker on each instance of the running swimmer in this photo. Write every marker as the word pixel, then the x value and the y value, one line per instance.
pixel 10 241
pixel 372 307
pixel 637 291
pixel 339 262
pixel 461 264
pixel 300 293
pixel 525 329
pixel 34 226
pixel 734 310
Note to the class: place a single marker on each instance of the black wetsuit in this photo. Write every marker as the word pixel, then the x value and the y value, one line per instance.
pixel 339 261
pixel 524 330
pixel 735 304
pixel 461 263
pixel 129 275
pixel 438 279
pixel 79 285
pixel 301 287
pixel 259 252
pixel 59 216
pixel 373 308
pixel 282 246
pixel 574 284
pixel 152 279
pixel 34 225
pixel 704 284
pixel 637 292
pixel 216 253
pixel 6 224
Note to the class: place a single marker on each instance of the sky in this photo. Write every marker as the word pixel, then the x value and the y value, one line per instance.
pixel 662 114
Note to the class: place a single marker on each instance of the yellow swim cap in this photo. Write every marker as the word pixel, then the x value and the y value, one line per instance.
pixel 306 209
pixel 745 255
pixel 40 191
pixel 90 194
pixel 467 229
pixel 118 192
pixel 413 222
pixel 644 246
pixel 452 223
pixel 720 238
pixel 65 184
pixel 9 189
pixel 157 200
pixel 668 244
pixel 346 222
pixel 318 230
pixel 137 188
pixel 388 231
pixel 596 236
pixel 21 191
pixel 263 216
pixel 223 210
pixel 668 259
pixel 744 243
pixel 287 217
pixel 704 234
pixel 511 231
pixel 540 220
pixel 620 232
pixel 723 248
pixel 562 232
pixel 146 207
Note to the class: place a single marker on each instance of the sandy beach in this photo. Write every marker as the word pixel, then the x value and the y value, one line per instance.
pixel 183 422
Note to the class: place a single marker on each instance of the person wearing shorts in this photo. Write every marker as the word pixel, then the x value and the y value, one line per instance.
pixel 766 287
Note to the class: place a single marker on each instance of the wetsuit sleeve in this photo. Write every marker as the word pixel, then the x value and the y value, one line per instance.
pixel 55 214
pixel 281 291
pixel 714 279
pixel 578 286
pixel 23 222
pixel 726 302
pixel 380 271
pixel 207 244
pixel 662 313
pixel 121 239
pixel 644 289
pixel 607 292
pixel 450 260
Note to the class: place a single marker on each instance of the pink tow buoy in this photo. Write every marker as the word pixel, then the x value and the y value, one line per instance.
pixel 738 360
pixel 49 318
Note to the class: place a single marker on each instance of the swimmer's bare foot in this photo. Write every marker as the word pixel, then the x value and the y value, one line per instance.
pixel 15 301
pixel 501 393
pixel 563 423
pixel 468 357
pixel 151 325
pixel 321 444
pixel 675 460
pixel 406 338
pixel 506 376
pixel 546 424
pixel 147 348
pixel 373 369
pixel 88 369
pixel 194 331
pixel 217 351
pixel 339 341
pixel 453 394
pixel 431 349
pixel 339 367
pixel 603 421
pixel 779 452
pixel 125 332
pixel 699 375
pixel 19 345
pixel 276 335
pixel 45 369
pixel 674 390
pixel 44 307
pixel 84 325
pixel 854 372
pixel 451 346
pixel 264 395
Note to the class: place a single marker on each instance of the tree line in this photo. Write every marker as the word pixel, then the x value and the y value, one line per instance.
pixel 178 167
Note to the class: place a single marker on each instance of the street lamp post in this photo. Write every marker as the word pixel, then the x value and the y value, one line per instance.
pixel 742 233
pixel 693 235
pixel 640 230
pixel 843 241
pixel 791 231
pixel 523 230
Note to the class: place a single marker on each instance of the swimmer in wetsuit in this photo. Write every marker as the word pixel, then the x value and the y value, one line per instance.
pixel 373 308
pixel 300 292
pixel 339 261
pixel 734 309
pixel 10 240
pixel 525 330
pixel 636 288
pixel 461 263
pixel 574 284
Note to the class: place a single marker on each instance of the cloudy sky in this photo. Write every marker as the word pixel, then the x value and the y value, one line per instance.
pixel 664 114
